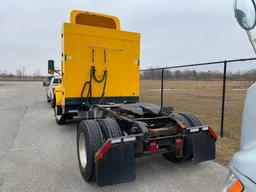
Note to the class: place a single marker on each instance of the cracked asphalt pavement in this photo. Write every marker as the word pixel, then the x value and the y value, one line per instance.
pixel 36 154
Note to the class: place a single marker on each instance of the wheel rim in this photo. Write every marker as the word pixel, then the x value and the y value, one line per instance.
pixel 82 150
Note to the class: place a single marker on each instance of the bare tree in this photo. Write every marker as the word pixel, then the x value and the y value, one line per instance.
pixel 23 71
pixel 19 73
pixel 38 73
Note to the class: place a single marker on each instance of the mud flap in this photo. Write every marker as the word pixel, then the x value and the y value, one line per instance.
pixel 203 146
pixel 117 165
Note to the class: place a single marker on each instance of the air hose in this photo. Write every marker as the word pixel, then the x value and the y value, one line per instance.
pixel 93 77
pixel 89 83
pixel 104 78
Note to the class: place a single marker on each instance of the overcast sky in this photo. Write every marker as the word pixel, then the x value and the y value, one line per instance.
pixel 173 32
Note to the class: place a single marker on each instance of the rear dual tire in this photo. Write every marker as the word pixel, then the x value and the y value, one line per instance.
pixel 190 121
pixel 109 128
pixel 91 135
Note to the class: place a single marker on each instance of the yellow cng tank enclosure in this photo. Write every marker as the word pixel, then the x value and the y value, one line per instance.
pixel 95 41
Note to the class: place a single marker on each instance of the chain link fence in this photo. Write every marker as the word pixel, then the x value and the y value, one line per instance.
pixel 214 91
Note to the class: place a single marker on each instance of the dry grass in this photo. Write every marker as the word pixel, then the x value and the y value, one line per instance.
pixel 204 98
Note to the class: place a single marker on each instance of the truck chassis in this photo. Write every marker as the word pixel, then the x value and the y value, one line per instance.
pixel 110 137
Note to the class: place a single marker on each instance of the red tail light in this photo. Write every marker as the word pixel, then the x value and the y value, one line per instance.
pixel 178 143
pixel 103 150
pixel 213 134
pixel 153 147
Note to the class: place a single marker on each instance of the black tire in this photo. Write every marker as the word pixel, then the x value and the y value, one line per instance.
pixel 64 117
pixel 170 156
pixel 110 128
pixel 190 121
pixel 53 102
pixel 58 110
pixel 91 132
pixel 61 120
pixel 48 99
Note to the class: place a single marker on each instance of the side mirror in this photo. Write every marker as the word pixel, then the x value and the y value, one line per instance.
pixel 50 66
pixel 245 13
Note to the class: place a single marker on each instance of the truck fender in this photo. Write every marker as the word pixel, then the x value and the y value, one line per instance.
pixel 58 95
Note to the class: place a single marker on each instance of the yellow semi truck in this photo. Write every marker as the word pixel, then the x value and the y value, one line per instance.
pixel 100 89
pixel 98 61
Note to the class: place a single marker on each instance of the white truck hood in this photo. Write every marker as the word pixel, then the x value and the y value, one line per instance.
pixel 244 162
pixel 248 128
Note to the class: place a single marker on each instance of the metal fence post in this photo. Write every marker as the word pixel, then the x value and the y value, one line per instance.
pixel 162 86
pixel 223 99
